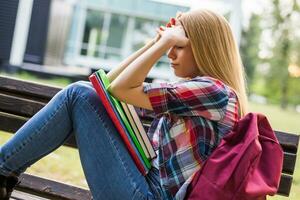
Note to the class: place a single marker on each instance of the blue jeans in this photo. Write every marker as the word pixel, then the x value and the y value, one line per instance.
pixel 109 169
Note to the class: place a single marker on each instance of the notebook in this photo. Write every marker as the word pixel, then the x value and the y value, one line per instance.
pixel 133 140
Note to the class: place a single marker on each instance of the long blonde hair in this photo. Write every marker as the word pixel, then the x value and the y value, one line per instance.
pixel 215 50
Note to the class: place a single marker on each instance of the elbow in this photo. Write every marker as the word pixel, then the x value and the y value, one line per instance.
pixel 116 90
pixel 113 89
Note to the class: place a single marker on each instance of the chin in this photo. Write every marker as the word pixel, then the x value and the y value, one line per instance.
pixel 180 75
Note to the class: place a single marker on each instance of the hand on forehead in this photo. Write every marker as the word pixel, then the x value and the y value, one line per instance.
pixel 173 22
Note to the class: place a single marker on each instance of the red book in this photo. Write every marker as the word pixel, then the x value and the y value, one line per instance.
pixel 117 122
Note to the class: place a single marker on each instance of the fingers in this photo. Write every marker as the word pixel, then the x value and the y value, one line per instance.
pixel 173 21
pixel 178 14
pixel 162 28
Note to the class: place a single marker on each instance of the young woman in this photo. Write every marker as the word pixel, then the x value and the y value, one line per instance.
pixel 191 115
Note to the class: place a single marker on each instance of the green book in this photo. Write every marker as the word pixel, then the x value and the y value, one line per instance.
pixel 118 107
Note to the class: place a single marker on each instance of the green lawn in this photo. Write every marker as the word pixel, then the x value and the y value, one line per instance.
pixel 288 121
pixel 62 164
pixel 58 82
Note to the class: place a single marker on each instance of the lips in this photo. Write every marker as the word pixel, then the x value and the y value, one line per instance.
pixel 174 65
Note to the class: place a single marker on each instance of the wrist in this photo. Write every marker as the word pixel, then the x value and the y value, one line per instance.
pixel 150 43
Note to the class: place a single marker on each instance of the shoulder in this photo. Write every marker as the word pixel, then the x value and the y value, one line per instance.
pixel 203 84
pixel 207 80
pixel 206 84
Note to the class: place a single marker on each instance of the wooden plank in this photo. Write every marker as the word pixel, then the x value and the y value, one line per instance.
pixel 288 141
pixel 289 162
pixel 28 88
pixel 56 190
pixel 18 195
pixel 285 185
pixel 11 123
pixel 19 106
pixel 51 189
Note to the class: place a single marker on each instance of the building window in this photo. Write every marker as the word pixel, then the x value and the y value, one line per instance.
pixel 117 31
pixel 105 35
pixel 92 37
pixel 144 30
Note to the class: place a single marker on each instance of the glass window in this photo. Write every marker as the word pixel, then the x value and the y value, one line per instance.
pixel 117 31
pixel 144 30
pixel 92 33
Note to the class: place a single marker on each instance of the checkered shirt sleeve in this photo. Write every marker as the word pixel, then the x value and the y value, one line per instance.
pixel 201 96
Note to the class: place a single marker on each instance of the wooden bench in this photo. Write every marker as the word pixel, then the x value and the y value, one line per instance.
pixel 20 100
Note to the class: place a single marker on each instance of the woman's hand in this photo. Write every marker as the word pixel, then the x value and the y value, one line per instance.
pixel 173 33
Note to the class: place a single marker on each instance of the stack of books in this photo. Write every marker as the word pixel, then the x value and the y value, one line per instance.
pixel 127 122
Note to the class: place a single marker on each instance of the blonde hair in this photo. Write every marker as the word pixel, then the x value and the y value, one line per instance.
pixel 215 50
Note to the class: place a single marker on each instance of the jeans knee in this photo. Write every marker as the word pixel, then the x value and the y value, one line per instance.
pixel 83 90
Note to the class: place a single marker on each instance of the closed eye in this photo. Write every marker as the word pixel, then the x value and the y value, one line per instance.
pixel 178 47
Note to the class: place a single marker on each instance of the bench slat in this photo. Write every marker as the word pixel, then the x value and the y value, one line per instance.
pixel 56 190
pixel 289 162
pixel 288 141
pixel 28 88
pixel 19 106
pixel 51 189
pixel 18 195
pixel 285 185
pixel 11 123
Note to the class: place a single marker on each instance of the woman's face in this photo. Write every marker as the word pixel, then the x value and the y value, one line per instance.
pixel 183 62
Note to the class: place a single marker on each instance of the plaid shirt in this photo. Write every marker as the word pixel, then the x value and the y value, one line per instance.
pixel 191 117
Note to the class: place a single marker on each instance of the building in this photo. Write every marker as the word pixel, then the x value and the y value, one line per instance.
pixel 59 34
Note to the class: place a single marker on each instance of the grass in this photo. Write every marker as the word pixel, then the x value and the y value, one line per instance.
pixel 287 121
pixel 58 82
pixel 64 164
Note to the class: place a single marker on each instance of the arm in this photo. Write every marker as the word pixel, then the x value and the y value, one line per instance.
pixel 114 73
pixel 128 86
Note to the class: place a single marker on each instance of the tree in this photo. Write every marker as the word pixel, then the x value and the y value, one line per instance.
pixel 249 47
pixel 283 33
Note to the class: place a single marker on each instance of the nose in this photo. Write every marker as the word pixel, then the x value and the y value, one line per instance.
pixel 171 53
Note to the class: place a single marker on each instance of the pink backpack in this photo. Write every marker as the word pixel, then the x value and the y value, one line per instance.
pixel 246 165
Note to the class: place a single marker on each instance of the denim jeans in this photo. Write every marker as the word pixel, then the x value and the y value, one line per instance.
pixel 108 167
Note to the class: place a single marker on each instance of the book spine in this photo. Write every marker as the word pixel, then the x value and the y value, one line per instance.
pixel 101 74
pixel 135 129
pixel 142 131
pixel 120 129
